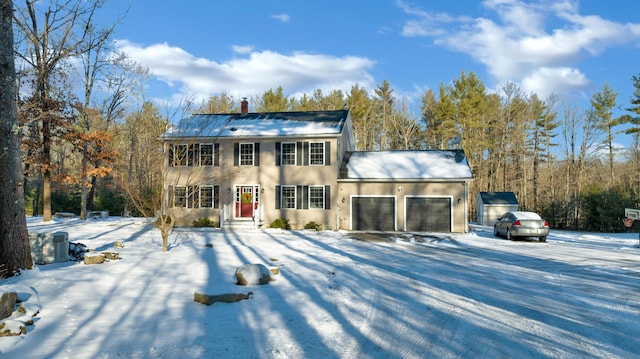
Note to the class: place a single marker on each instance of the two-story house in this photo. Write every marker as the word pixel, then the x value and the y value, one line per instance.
pixel 258 167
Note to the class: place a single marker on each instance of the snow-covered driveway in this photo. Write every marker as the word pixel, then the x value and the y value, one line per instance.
pixel 446 296
pixel 487 297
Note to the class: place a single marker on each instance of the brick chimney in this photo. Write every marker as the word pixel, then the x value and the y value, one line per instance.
pixel 244 106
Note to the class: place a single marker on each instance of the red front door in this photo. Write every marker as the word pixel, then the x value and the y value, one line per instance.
pixel 244 201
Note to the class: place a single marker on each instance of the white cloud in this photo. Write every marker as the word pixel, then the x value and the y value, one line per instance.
pixel 547 80
pixel 518 46
pixel 426 23
pixel 252 74
pixel 282 17
pixel 246 49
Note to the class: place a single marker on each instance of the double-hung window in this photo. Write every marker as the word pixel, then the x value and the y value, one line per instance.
pixel 195 196
pixel 246 154
pixel 288 153
pixel 316 153
pixel 180 154
pixel 303 197
pixel 288 197
pixel 180 196
pixel 206 154
pixel 206 197
pixel 316 197
pixel 209 196
pixel 191 155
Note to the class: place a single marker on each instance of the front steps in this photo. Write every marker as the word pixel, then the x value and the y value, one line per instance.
pixel 240 225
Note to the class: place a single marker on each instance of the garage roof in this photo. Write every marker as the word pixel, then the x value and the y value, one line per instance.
pixel 406 165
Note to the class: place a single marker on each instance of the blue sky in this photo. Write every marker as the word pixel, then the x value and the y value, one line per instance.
pixel 195 49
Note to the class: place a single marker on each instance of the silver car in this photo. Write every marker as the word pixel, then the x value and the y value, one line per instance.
pixel 521 224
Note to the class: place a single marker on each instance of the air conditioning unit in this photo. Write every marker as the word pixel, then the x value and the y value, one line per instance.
pixel 49 247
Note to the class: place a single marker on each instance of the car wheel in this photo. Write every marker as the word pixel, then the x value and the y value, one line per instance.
pixel 509 237
pixel 495 231
pixel 542 239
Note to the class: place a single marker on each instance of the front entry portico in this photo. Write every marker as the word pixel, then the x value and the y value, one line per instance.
pixel 247 200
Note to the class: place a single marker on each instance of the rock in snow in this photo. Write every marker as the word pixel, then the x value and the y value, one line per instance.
pixel 251 274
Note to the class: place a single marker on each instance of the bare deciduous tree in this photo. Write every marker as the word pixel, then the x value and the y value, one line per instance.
pixel 52 34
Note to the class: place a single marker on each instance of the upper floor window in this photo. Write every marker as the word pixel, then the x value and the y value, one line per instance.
pixel 194 154
pixel 206 154
pixel 303 153
pixel 246 154
pixel 316 153
pixel 288 153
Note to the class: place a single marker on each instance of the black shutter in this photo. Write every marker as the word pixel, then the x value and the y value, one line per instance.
pixel 306 153
pixel 277 197
pixel 305 197
pixel 216 154
pixel 236 154
pixel 299 195
pixel 256 154
pixel 299 154
pixel 278 153
pixel 171 156
pixel 327 196
pixel 327 153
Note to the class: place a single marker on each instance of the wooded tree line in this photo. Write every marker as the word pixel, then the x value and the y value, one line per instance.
pixel 90 137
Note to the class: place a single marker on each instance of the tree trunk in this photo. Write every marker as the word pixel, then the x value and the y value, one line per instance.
pixel 46 196
pixel 15 252
pixel 92 193
pixel 46 176
pixel 83 184
pixel 36 196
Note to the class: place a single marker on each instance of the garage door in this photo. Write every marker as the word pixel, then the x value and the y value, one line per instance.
pixel 428 214
pixel 373 213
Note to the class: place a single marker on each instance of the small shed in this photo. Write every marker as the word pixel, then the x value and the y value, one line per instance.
pixel 491 205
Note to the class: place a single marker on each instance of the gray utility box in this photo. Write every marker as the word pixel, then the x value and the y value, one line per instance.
pixel 49 247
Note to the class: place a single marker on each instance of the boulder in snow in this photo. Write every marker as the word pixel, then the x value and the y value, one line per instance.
pixel 251 274
pixel 111 255
pixel 7 303
pixel 93 258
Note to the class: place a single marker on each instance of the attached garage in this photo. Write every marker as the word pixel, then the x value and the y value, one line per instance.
pixel 417 191
pixel 428 214
pixel 373 213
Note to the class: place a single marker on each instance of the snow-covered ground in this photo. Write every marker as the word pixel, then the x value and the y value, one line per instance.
pixel 446 296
